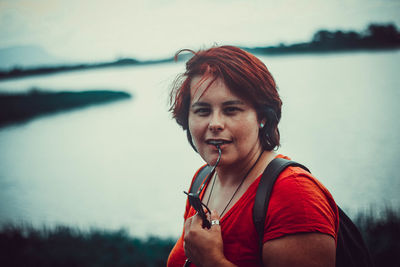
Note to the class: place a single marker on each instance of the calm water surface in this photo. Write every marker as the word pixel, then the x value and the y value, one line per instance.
pixel 125 164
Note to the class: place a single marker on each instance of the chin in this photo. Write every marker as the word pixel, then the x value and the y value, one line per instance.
pixel 212 161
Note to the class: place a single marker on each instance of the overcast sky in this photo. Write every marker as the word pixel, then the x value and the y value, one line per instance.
pixel 109 29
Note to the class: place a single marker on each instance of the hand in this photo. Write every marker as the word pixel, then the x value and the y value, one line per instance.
pixel 203 247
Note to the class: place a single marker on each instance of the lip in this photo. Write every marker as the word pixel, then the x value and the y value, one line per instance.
pixel 213 142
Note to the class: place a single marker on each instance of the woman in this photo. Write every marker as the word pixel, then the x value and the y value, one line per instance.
pixel 228 95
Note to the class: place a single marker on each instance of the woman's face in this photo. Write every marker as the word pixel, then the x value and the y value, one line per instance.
pixel 218 114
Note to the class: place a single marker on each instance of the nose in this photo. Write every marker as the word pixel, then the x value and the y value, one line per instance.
pixel 216 123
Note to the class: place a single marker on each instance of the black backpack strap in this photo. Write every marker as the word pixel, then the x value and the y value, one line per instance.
pixel 271 173
pixel 201 175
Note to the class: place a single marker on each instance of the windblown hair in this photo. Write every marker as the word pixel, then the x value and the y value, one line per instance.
pixel 244 74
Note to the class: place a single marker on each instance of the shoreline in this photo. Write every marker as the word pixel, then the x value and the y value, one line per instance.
pixel 22 107
pixel 376 37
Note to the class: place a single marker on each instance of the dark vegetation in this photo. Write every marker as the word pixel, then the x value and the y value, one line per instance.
pixel 381 234
pixel 21 107
pixel 376 37
pixel 66 246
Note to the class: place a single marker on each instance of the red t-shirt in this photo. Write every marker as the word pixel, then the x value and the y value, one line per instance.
pixel 299 203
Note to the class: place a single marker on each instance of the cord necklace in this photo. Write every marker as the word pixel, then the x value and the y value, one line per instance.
pixel 237 189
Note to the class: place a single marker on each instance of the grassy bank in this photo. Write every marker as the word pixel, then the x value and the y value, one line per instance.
pixel 66 246
pixel 22 107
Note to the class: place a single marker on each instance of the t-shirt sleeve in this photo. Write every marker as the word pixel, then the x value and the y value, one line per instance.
pixel 300 204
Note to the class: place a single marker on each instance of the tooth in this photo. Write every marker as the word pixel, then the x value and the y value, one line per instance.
pixel 216 142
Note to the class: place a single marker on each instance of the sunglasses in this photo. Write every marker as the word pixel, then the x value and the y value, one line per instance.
pixel 195 201
pixel 197 204
pixel 194 198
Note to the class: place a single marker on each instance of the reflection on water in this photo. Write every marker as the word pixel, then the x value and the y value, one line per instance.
pixel 126 164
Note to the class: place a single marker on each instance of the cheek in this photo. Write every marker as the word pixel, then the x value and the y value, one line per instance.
pixel 194 128
pixel 246 131
pixel 191 125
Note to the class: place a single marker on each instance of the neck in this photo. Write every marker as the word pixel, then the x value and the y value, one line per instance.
pixel 232 174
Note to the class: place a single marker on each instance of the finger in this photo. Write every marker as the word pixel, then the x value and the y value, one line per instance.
pixel 186 249
pixel 196 221
pixel 215 220
pixel 188 223
pixel 206 213
pixel 193 223
pixel 215 215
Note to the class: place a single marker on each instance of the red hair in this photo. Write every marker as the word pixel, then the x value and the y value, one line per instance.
pixel 244 74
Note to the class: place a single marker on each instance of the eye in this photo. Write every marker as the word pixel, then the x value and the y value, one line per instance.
pixel 202 111
pixel 232 110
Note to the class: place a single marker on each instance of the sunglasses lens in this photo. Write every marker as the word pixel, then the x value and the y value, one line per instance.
pixel 195 201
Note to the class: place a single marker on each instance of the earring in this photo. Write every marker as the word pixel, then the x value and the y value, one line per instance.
pixel 261 125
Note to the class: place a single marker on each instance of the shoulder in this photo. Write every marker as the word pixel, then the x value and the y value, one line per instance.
pixel 298 180
pixel 300 203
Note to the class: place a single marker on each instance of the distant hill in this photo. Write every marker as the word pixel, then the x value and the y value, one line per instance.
pixel 26 56
pixel 375 37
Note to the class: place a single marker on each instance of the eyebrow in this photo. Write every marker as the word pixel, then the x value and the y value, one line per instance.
pixel 200 104
pixel 233 102
pixel 227 103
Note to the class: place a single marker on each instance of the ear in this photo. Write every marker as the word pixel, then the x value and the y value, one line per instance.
pixel 262 123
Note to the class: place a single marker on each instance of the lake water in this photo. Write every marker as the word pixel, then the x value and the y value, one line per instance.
pixel 125 164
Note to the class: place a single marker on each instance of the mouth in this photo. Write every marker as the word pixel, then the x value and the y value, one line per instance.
pixel 217 142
